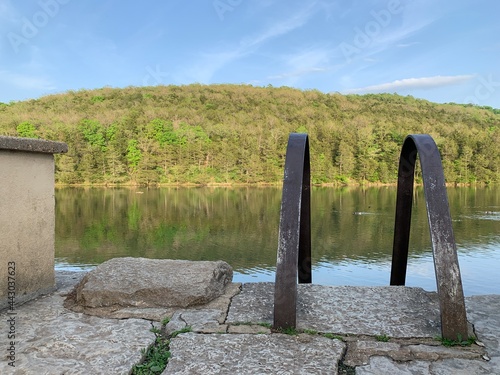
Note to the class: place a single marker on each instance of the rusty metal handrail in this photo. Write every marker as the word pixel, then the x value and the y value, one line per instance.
pixel 449 282
pixel 294 245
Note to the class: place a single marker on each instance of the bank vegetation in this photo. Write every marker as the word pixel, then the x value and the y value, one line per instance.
pixel 232 134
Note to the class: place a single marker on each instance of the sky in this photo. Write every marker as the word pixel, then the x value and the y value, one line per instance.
pixel 442 51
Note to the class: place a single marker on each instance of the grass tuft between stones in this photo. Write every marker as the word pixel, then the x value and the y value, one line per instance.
pixel 288 331
pixel 311 331
pixel 332 336
pixel 183 330
pixel 382 338
pixel 262 324
pixel 344 369
pixel 156 356
pixel 459 342
pixel 293 332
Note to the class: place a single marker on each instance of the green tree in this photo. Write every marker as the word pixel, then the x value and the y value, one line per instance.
pixel 26 130
pixel 94 158
pixel 345 160
pixel 134 156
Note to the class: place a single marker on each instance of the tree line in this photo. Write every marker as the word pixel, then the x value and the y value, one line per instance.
pixel 218 134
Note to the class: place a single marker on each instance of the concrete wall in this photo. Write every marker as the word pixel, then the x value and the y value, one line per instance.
pixel 27 218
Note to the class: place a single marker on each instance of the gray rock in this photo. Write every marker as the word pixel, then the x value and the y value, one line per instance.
pixel 143 283
pixel 253 354
pixel 157 314
pixel 153 314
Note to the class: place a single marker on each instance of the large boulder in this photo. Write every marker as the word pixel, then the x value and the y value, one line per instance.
pixel 152 283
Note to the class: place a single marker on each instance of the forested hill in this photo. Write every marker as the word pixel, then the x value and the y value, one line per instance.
pixel 238 134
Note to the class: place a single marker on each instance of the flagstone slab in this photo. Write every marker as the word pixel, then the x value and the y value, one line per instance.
pixel 253 354
pixel 394 311
pixel 484 313
pixel 50 339
pixel 384 365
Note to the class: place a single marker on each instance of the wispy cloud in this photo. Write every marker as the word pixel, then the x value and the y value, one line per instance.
pixel 406 45
pixel 7 11
pixel 395 38
pixel 413 83
pixel 208 64
pixel 211 62
pixel 414 18
pixel 298 73
pixel 312 60
pixel 8 17
pixel 401 26
pixel 26 81
pixel 284 27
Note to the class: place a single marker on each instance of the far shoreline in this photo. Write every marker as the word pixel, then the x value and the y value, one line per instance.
pixel 133 185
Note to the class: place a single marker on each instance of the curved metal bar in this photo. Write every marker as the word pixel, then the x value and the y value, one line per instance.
pixel 449 282
pixel 294 245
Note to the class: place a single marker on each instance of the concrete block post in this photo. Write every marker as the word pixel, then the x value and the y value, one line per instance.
pixel 27 218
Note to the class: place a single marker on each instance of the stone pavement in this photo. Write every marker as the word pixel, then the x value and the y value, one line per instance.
pixel 344 330
pixel 50 339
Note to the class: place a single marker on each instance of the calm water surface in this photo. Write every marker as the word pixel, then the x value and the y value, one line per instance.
pixel 352 230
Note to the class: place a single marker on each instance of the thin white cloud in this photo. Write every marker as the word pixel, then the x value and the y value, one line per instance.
pixel 413 83
pixel 25 81
pixel 405 45
pixel 413 19
pixel 284 27
pixel 8 16
pixel 308 58
pixel 298 73
pixel 310 61
pixel 395 38
pixel 210 63
pixel 7 11
pixel 202 72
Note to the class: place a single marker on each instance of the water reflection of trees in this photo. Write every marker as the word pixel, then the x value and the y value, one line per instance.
pixel 240 225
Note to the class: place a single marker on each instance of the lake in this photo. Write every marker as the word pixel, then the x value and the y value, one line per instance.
pixel 240 226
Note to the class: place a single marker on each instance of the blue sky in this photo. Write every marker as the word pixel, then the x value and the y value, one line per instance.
pixel 442 51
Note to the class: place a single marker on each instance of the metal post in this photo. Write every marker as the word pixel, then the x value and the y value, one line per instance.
pixel 449 282
pixel 294 245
